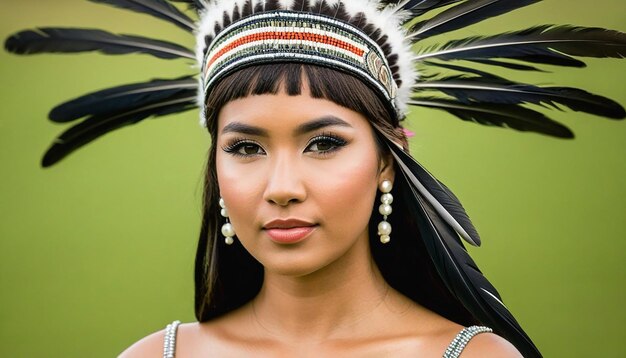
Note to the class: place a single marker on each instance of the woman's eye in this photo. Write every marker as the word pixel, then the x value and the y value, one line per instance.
pixel 321 146
pixel 244 149
pixel 249 149
pixel 325 144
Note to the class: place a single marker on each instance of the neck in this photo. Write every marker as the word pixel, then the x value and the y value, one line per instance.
pixel 327 303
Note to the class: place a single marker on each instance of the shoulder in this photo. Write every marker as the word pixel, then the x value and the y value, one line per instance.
pixel 153 345
pixel 439 333
pixel 485 345
pixel 149 346
pixel 190 337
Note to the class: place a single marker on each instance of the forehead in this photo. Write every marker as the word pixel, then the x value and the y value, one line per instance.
pixel 282 113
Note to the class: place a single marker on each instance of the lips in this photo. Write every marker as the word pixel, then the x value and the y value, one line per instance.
pixel 289 231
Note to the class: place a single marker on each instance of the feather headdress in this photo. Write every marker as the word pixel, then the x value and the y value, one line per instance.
pixel 381 43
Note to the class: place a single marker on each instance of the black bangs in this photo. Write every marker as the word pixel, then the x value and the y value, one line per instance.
pixel 338 87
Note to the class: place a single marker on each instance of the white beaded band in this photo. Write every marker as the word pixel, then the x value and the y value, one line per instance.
pixel 460 341
pixel 169 342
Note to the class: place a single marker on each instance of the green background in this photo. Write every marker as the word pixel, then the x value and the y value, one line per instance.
pixel 97 252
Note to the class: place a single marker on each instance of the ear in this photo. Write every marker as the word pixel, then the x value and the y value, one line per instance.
pixel 386 170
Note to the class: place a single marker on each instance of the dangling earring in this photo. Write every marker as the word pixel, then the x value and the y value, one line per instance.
pixel 227 228
pixel 384 228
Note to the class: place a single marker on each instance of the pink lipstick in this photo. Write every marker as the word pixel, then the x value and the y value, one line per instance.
pixel 289 231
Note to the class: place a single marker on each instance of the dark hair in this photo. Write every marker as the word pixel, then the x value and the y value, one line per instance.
pixel 228 277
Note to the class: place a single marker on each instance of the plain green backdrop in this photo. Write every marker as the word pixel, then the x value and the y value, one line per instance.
pixel 98 251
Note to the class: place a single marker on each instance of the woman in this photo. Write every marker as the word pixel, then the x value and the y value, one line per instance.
pixel 298 167
pixel 424 211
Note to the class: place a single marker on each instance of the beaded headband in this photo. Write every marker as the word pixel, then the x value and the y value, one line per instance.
pixel 288 36
pixel 358 37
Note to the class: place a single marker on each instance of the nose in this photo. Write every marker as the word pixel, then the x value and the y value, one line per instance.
pixel 284 183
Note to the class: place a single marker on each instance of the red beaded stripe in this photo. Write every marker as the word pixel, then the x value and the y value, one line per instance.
pixel 303 36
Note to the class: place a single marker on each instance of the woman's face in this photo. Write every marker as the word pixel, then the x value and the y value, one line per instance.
pixel 299 177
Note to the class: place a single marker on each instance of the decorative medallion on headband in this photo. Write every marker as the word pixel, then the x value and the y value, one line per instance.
pixel 298 37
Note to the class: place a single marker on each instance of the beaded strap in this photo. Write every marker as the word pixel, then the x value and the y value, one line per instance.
pixel 169 343
pixel 460 341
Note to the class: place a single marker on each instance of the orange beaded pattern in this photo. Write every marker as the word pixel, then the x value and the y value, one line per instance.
pixel 274 36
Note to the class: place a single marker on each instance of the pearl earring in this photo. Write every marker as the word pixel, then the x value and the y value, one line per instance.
pixel 227 228
pixel 384 228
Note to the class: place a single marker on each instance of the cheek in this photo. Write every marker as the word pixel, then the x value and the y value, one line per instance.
pixel 346 191
pixel 240 187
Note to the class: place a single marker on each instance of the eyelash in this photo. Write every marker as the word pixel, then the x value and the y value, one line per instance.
pixel 336 142
pixel 237 144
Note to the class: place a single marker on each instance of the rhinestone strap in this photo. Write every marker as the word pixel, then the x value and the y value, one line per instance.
pixel 169 343
pixel 460 341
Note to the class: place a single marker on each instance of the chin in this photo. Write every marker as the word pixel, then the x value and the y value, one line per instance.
pixel 291 271
pixel 296 264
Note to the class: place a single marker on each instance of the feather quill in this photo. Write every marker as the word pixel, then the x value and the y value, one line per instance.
pixel 463 15
pixel 454 265
pixel 545 44
pixel 502 115
pixel 158 8
pixel 498 90
pixel 96 126
pixel 69 40
pixel 122 98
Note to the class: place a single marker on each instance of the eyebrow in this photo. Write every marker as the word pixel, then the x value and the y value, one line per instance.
pixel 319 123
pixel 238 127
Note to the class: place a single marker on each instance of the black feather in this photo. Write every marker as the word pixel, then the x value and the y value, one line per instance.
pixel 453 264
pixel 68 40
pixel 498 90
pixel 158 8
pixel 502 115
pixel 416 4
pixel 122 98
pixel 193 4
pixel 421 7
pixel 455 67
pixel 447 205
pixel 541 44
pixel 96 126
pixel 509 65
pixel 463 15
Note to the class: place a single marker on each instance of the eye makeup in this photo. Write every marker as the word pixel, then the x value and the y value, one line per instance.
pixel 325 144
pixel 243 147
pixel 322 144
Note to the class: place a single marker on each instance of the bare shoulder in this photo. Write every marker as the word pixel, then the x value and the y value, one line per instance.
pixel 191 338
pixel 486 345
pixel 149 346
pixel 434 333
